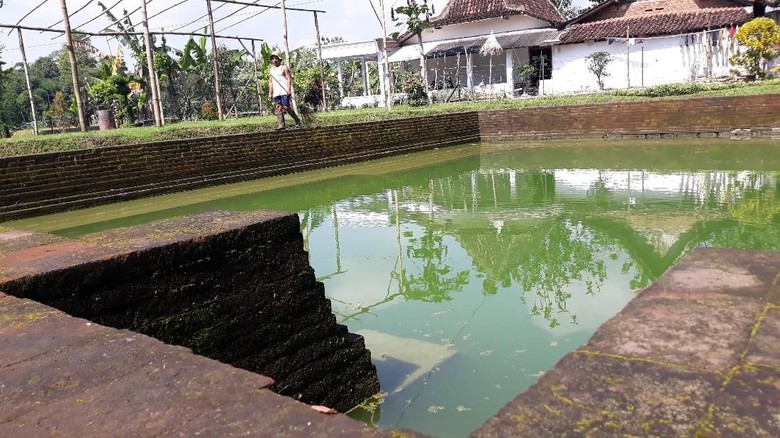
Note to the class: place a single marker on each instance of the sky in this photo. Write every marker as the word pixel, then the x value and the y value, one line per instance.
pixel 353 20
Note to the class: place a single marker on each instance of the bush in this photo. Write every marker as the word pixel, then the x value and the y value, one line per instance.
pixel 761 40
pixel 208 111
pixel 674 89
pixel 59 113
pixel 416 91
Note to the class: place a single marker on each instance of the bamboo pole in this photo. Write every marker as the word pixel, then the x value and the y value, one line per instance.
pixel 150 65
pixel 217 86
pixel 294 103
pixel 27 79
pixel 257 80
pixel 159 94
pixel 322 63
pixel 388 91
pixel 103 34
pixel 27 14
pixel 233 2
pixel 74 70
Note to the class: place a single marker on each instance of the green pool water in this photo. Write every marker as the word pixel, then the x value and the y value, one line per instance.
pixel 472 270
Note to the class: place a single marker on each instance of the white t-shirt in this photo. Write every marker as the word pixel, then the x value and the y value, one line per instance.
pixel 279 81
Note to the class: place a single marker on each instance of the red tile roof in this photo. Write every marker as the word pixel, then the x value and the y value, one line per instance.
pixel 466 11
pixel 659 24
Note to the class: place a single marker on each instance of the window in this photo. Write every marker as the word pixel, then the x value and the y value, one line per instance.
pixel 543 71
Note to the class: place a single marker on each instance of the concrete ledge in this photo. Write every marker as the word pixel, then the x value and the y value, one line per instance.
pixel 695 354
pixel 65 376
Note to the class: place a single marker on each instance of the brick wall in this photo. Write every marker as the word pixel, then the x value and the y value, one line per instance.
pixel 49 183
pixel 703 116
pixel 235 287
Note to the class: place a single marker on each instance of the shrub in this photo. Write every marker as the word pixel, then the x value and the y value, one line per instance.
pixel 208 111
pixel 675 89
pixel 60 114
pixel 416 91
pixel 525 72
pixel 760 38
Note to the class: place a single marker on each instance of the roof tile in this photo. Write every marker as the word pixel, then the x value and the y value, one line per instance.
pixel 660 24
pixel 465 11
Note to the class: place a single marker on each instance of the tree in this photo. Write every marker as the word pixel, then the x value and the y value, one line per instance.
pixel 59 112
pixel 597 64
pixel 4 130
pixel 417 19
pixel 566 8
pixel 761 41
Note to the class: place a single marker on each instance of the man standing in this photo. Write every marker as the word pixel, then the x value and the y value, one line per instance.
pixel 279 90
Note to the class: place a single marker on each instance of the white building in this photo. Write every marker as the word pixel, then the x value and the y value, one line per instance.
pixel 524 29
pixel 651 42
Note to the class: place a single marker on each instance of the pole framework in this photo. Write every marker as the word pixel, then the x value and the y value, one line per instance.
pixel 150 66
pixel 257 80
pixel 388 92
pixel 74 72
pixel 294 102
pixel 214 65
pixel 322 64
pixel 27 79
pixel 101 34
pixel 233 2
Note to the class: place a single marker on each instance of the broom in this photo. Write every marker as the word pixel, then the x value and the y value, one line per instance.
pixel 305 113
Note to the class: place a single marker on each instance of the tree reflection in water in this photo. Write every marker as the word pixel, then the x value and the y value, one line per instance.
pixel 436 280
pixel 521 231
pixel 495 255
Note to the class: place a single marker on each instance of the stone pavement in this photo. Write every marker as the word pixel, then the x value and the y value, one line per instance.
pixel 695 354
pixel 64 376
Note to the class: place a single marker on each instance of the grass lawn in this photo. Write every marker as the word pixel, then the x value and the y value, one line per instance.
pixel 21 144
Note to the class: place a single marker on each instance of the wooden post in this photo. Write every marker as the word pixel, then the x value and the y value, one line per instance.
pixel 150 65
pixel 27 78
pixel 628 57
pixel 217 86
pixel 322 65
pixel 257 80
pixel 340 71
pixel 294 102
pixel 284 34
pixel 74 70
pixel 388 91
pixel 366 82
pixel 159 96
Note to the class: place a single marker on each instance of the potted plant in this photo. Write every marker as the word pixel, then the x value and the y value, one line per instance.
pixel 112 96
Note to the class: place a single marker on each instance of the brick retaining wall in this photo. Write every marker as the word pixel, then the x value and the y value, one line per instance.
pixel 49 183
pixel 235 287
pixel 701 116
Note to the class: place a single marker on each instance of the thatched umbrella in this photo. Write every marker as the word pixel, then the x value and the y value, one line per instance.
pixel 490 48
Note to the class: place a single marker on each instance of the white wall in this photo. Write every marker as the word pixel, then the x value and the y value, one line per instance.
pixel 653 62
pixel 482 27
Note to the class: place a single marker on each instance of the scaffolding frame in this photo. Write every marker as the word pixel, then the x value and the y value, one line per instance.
pixel 147 34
